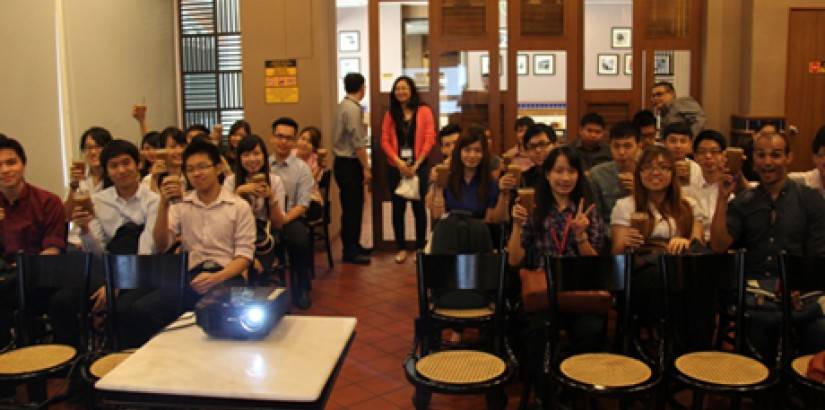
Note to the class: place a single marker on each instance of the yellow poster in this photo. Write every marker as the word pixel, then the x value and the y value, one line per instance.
pixel 281 81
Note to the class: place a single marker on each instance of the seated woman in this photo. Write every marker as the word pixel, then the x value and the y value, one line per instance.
pixel 670 228
pixel 562 224
pixel 306 148
pixel 148 146
pixel 262 189
pixel 237 131
pixel 173 140
pixel 85 177
pixel 470 186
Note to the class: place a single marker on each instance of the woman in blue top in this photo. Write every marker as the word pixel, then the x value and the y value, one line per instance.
pixel 471 187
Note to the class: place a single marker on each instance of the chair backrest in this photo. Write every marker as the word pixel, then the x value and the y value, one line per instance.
pixel 323 187
pixel 51 272
pixel 710 274
pixel 587 273
pixel 440 273
pixel 798 273
pixel 125 272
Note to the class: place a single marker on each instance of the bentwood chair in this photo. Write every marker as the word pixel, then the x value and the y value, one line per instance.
pixel 803 275
pixel 734 373
pixel 624 374
pixel 319 228
pixel 39 276
pixel 483 370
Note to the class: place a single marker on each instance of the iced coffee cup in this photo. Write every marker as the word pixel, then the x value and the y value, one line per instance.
pixel 173 180
pixel 83 199
pixel 442 175
pixel 506 160
pixel 639 221
pixel 80 165
pixel 682 170
pixel 735 158
pixel 626 183
pixel 516 171
pixel 527 197
pixel 322 153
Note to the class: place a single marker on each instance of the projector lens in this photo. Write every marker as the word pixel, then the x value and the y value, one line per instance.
pixel 252 319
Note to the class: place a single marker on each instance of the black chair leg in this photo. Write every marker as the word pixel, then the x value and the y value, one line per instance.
pixel 496 400
pixel 36 390
pixel 698 400
pixel 525 393
pixel 421 398
pixel 329 246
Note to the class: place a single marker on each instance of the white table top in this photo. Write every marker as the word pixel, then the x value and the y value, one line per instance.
pixel 293 363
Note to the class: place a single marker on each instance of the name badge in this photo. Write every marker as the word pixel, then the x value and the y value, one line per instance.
pixel 406 153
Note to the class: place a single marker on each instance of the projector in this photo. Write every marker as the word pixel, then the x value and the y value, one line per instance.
pixel 241 312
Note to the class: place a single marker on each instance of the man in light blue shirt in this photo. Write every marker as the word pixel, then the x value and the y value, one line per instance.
pixel 298 183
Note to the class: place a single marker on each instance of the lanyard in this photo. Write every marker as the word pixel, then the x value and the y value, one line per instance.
pixel 561 247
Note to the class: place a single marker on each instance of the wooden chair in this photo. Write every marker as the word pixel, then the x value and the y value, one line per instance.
pixel 33 363
pixel 319 228
pixel 626 373
pixel 804 275
pixel 729 373
pixel 460 371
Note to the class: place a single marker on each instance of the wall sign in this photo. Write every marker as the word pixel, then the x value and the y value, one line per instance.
pixel 816 67
pixel 281 81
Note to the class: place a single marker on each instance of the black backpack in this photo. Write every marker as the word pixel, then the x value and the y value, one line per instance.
pixel 126 239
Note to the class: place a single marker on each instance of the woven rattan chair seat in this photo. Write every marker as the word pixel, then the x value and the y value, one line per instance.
pixel 31 359
pixel 106 363
pixel 722 368
pixel 800 364
pixel 605 369
pixel 460 366
pixel 465 313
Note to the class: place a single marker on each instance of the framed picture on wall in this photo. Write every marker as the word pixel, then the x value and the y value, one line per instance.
pixel 349 65
pixel 620 37
pixel 522 64
pixel 662 63
pixel 544 64
pixel 608 64
pixel 349 41
pixel 484 62
pixel 628 64
pixel 502 38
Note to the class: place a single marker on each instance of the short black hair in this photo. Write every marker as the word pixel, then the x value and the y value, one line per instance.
pixel 677 128
pixel 197 127
pixel 819 140
pixel 767 124
pixel 447 130
pixel 100 135
pixel 524 122
pixel 625 129
pixel 14 145
pixel 175 133
pixel 116 148
pixel 666 84
pixel 644 118
pixel 285 121
pixel 353 82
pixel 591 118
pixel 537 129
pixel 710 135
pixel 237 125
pixel 202 147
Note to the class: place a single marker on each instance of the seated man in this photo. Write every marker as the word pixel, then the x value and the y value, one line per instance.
pixel 32 220
pixel 814 178
pixel 122 222
pixel 538 141
pixel 519 153
pixel 589 145
pixel 646 121
pixel 678 138
pixel 613 180
pixel 778 214
pixel 217 228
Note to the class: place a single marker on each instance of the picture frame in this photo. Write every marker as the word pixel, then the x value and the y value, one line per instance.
pixel 621 37
pixel 628 64
pixel 348 65
pixel 607 64
pixel 502 38
pixel 484 62
pixel 662 63
pixel 522 64
pixel 544 64
pixel 349 41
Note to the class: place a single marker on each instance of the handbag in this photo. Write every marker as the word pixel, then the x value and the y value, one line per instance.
pixel 534 296
pixel 408 188
pixel 264 239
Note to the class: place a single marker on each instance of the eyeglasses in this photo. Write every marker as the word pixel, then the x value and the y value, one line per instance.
pixel 284 137
pixel 199 167
pixel 647 168
pixel 657 94
pixel 540 144
pixel 92 148
pixel 711 151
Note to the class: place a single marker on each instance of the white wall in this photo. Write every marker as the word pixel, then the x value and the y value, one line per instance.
pixel 354 19
pixel 68 65
pixel 599 18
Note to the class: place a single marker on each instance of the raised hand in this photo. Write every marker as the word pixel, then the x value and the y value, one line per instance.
pixel 581 220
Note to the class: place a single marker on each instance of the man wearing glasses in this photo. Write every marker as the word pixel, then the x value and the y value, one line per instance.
pixel 671 109
pixel 298 184
pixel 538 141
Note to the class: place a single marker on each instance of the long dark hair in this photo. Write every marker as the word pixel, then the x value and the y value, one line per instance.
pixel 248 143
pixel 396 111
pixel 545 200
pixel 673 204
pixel 471 135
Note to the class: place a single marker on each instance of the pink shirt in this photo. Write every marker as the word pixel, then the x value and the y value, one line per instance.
pixel 218 232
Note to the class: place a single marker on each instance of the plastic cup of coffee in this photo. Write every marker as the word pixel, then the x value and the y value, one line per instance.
pixel 527 198
pixel 83 199
pixel 506 160
pixel 516 171
pixel 442 174
pixel 625 179
pixel 80 165
pixel 734 156
pixel 638 221
pixel 683 171
pixel 173 179
pixel 322 153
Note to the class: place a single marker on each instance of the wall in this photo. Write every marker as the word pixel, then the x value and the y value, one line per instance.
pixel 599 19
pixel 355 19
pixel 722 87
pixel 84 63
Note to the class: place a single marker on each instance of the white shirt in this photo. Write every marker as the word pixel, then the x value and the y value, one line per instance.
pixel 663 229
pixel 218 232
pixel 112 211
pixel 705 194
pixel 87 184
pixel 696 177
pixel 258 207
pixel 810 178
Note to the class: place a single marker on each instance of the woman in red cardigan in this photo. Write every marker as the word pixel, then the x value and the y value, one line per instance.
pixel 407 136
